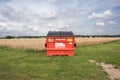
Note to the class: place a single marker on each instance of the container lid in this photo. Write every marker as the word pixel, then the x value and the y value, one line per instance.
pixel 60 33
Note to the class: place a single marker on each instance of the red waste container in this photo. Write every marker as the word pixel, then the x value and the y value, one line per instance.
pixel 60 43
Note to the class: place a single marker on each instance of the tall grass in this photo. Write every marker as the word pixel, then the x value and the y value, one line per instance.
pixel 38 44
pixel 93 41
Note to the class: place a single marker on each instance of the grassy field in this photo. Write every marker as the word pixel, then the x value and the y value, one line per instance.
pixel 18 64
pixel 38 44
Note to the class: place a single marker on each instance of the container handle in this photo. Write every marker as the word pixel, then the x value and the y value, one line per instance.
pixel 45 45
pixel 75 45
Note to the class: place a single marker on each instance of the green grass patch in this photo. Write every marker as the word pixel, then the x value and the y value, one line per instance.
pixel 18 64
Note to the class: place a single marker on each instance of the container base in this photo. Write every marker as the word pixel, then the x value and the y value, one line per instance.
pixel 60 53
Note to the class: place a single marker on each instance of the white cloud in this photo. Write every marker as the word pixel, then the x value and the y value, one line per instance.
pixel 100 24
pixel 3 24
pixel 12 25
pixel 111 22
pixel 99 30
pixel 58 24
pixel 48 14
pixel 1 27
pixel 100 15
pixel 37 17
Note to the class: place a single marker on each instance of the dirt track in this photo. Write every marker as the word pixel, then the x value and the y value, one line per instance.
pixel 111 70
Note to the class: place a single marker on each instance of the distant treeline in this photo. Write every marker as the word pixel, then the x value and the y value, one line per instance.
pixel 83 36
pixel 13 37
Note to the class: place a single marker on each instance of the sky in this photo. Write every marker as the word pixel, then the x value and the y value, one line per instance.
pixel 37 17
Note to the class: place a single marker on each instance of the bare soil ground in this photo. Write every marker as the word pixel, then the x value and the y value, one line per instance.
pixel 112 70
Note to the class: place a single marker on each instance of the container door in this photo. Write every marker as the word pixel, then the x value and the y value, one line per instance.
pixel 64 42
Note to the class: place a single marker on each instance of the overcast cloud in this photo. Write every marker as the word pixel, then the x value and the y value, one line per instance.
pixel 37 17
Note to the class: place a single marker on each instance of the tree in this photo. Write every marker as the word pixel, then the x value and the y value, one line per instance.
pixel 9 37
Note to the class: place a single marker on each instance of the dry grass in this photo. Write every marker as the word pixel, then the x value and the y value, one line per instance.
pixel 38 44
pixel 93 41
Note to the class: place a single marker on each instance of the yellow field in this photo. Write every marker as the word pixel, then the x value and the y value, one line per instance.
pixel 93 41
pixel 38 44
